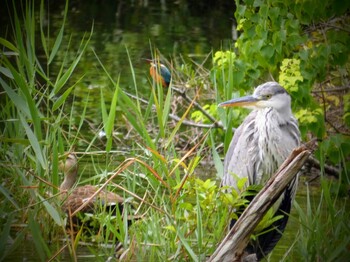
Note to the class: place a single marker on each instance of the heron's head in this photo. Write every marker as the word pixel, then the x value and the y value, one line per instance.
pixel 267 95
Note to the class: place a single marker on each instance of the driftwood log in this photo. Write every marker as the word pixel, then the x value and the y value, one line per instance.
pixel 233 245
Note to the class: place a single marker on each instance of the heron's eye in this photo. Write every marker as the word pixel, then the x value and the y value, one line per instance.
pixel 268 96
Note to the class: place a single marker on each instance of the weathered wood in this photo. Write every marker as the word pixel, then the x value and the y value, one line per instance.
pixel 233 245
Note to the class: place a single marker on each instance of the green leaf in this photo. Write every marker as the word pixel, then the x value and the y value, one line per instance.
pixel 62 80
pixel 52 212
pixel 5 234
pixel 34 142
pixel 9 45
pixel 18 101
pixel 5 71
pixel 199 224
pixel 59 37
pixel 216 157
pixel 39 242
pixel 42 33
pixel 267 51
pixel 64 96
pixel 9 197
pixel 109 125
pixel 186 245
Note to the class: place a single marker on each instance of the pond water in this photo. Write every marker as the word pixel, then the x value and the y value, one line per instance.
pixel 191 29
pixel 134 30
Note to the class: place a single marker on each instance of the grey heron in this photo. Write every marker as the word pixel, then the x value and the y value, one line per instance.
pixel 259 146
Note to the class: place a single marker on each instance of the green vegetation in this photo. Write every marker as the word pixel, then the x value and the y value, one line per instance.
pixel 306 47
pixel 301 44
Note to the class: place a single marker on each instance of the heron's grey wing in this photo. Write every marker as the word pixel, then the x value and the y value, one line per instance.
pixel 240 156
pixel 291 140
pixel 266 242
pixel 291 131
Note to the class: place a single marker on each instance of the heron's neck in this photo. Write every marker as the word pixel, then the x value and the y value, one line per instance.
pixel 69 179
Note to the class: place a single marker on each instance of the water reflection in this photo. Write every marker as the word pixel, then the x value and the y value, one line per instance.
pixel 190 29
pixel 83 253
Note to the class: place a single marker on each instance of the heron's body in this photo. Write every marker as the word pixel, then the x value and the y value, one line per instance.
pixel 252 133
pixel 73 199
pixel 259 146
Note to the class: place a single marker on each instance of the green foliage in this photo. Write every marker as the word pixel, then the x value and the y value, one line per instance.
pixel 278 40
pixel 32 136
pixel 305 47
pixel 198 115
pixel 346 116
pixel 290 75
pixel 310 120
pixel 323 232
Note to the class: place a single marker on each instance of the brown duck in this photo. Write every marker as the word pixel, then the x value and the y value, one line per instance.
pixel 78 196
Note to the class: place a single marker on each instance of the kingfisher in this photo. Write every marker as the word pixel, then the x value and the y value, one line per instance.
pixel 159 72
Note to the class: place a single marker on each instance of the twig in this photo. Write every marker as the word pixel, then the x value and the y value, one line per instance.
pixel 327 168
pixel 198 106
pixel 215 124
pixel 334 89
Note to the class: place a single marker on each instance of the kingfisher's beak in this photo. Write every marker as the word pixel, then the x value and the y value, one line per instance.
pixel 245 101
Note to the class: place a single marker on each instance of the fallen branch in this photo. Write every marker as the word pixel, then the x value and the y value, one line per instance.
pixel 233 245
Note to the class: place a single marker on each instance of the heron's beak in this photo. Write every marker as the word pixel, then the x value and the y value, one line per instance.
pixel 241 101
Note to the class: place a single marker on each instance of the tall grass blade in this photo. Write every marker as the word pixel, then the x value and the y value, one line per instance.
pixel 6 72
pixel 159 109
pixel 52 212
pixel 199 224
pixel 186 245
pixel 17 100
pixel 59 37
pixel 109 124
pixel 167 106
pixel 134 80
pixel 64 96
pixel 34 143
pixel 216 158
pixel 39 242
pixel 42 33
pixel 9 197
pixel 9 45
pixel 16 243
pixel 5 234
pixel 137 122
pixel 34 112
pixel 61 81
pixel 178 124
pixel 54 173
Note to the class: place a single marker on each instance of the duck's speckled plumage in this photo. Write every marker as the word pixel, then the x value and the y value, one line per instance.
pixel 73 199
